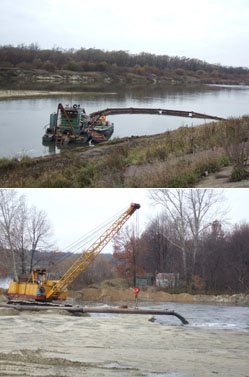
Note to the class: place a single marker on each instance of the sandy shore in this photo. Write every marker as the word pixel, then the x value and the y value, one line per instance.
pixel 19 94
pixel 151 294
pixel 62 345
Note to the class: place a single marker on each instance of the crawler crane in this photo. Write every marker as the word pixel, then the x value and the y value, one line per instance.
pixel 38 288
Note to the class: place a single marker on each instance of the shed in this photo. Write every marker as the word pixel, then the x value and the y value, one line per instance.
pixel 143 280
pixel 167 280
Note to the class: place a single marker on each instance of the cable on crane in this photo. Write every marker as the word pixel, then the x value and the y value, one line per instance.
pixel 80 244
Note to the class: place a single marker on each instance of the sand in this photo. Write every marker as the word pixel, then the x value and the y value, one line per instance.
pixel 119 345
pixel 151 294
pixel 19 94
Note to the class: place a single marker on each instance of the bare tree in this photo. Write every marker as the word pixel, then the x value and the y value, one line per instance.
pixel 10 208
pixel 39 232
pixel 23 231
pixel 187 213
pixel 156 248
pixel 203 208
pixel 234 136
pixel 20 238
pixel 174 219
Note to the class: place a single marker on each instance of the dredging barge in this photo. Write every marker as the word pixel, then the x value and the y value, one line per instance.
pixel 71 124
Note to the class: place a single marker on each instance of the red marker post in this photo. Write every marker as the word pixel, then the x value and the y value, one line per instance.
pixel 136 291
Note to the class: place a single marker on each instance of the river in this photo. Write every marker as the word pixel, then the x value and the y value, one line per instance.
pixel 23 121
pixel 47 344
pixel 212 317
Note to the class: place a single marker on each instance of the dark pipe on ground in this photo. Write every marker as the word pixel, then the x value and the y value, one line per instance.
pixel 78 309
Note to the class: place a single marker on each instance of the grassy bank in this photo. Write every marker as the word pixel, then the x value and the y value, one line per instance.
pixel 179 158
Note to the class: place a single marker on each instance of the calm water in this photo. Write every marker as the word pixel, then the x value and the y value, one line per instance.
pixel 22 122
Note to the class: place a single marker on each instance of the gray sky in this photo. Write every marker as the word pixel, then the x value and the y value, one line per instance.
pixel 74 212
pixel 216 31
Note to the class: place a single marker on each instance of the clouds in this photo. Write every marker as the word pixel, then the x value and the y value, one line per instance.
pixel 215 31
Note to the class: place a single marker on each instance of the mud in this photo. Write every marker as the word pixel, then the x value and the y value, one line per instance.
pixel 64 346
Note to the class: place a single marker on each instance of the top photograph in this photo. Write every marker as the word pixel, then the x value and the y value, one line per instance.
pixel 135 95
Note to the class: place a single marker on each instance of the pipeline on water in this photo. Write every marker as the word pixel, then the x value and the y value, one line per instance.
pixel 134 110
pixel 78 309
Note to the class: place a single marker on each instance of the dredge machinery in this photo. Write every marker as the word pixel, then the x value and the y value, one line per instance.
pixel 38 288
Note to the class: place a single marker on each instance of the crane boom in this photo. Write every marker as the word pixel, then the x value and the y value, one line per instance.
pixel 91 253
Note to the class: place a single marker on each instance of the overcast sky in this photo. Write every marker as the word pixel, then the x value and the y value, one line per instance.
pixel 216 31
pixel 74 212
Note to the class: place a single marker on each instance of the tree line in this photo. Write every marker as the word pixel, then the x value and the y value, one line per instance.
pixel 188 237
pixel 26 243
pixel 93 59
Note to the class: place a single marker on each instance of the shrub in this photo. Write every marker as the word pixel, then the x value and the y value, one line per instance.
pixel 53 180
pixel 179 72
pixel 116 159
pixel 86 175
pixel 49 66
pixel 239 173
pixel 234 135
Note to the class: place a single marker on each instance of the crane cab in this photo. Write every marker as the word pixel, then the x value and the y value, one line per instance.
pixel 36 287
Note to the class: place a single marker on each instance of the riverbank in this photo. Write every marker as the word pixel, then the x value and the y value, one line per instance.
pixel 16 77
pixel 179 158
pixel 20 78
pixel 149 295
pixel 109 295
pixel 22 94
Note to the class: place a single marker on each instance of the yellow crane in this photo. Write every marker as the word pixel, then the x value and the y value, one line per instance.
pixel 38 288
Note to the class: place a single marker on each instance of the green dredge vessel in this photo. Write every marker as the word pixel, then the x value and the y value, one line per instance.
pixel 71 124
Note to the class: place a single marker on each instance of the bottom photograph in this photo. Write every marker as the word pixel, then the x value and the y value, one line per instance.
pixel 124 282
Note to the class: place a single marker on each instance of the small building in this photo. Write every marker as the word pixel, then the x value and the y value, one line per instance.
pixel 144 280
pixel 167 280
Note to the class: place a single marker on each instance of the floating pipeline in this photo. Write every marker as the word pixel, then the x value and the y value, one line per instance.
pixel 133 110
pixel 78 309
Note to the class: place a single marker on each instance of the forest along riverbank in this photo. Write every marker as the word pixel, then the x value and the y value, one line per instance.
pixel 118 345
pixel 179 158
